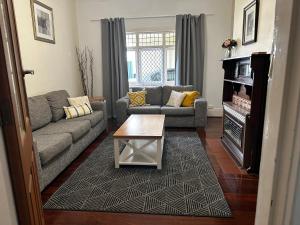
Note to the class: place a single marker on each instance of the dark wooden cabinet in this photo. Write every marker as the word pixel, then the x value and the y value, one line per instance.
pixel 246 78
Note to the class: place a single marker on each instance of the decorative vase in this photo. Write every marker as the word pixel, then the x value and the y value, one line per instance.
pixel 233 51
pixel 228 53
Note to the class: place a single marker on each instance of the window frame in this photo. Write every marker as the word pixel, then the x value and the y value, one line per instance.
pixel 138 49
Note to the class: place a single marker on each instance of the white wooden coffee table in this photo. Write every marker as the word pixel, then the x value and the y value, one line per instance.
pixel 143 136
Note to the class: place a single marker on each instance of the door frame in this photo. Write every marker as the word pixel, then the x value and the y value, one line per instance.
pixel 280 151
pixel 24 189
pixel 11 139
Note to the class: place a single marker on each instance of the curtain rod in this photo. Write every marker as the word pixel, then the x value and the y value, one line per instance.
pixel 148 17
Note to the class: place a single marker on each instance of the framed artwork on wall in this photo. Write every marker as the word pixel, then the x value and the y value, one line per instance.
pixel 250 23
pixel 43 22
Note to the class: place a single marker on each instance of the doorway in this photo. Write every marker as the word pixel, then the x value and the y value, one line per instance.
pixel 14 97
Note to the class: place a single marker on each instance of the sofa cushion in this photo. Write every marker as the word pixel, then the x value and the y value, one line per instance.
pixel 168 89
pixel 39 111
pixel 57 100
pixel 178 111
pixel 154 95
pixel 148 109
pixel 93 118
pixel 51 145
pixel 76 128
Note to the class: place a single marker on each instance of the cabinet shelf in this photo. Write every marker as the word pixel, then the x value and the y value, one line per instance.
pixel 236 58
pixel 239 82
pixel 243 129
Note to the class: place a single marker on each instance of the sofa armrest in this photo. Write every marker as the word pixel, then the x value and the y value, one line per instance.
pixel 200 106
pixel 100 106
pixel 121 109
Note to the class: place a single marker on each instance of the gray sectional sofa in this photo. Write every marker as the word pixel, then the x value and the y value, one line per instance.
pixel 57 141
pixel 157 98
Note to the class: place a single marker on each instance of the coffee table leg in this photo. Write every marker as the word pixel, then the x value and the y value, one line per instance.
pixel 158 154
pixel 117 153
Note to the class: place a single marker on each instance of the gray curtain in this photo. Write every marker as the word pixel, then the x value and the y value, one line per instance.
pixel 190 47
pixel 114 62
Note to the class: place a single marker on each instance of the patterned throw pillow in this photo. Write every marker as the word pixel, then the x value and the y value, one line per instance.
pixel 176 99
pixel 190 98
pixel 137 98
pixel 77 101
pixel 77 111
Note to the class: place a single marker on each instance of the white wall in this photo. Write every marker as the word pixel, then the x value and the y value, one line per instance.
pixel 7 207
pixel 219 27
pixel 280 134
pixel 55 65
pixel 265 27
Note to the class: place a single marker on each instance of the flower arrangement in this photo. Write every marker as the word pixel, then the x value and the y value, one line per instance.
pixel 86 68
pixel 229 44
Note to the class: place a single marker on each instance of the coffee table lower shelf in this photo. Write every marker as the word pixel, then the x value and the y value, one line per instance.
pixel 146 152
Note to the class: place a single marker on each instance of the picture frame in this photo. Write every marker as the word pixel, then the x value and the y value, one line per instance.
pixel 43 22
pixel 250 23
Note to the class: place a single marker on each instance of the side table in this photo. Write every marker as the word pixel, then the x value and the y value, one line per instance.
pixel 97 99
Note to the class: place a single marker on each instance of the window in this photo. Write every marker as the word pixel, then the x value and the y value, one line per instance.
pixel 151 58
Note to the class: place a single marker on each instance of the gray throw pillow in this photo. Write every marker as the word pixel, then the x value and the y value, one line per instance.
pixel 154 95
pixel 57 100
pixel 39 112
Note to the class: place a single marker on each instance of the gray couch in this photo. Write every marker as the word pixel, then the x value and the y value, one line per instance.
pixel 157 98
pixel 57 141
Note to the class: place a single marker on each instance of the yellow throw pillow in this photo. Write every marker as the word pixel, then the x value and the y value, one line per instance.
pixel 77 111
pixel 190 98
pixel 137 98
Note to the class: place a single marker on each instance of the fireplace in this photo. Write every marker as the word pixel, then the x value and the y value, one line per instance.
pixel 235 132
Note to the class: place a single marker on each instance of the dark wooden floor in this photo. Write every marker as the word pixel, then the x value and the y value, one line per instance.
pixel 240 190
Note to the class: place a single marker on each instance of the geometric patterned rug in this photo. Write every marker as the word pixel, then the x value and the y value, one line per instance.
pixel 186 185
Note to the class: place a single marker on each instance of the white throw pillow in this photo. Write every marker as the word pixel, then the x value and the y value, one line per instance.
pixel 78 101
pixel 176 98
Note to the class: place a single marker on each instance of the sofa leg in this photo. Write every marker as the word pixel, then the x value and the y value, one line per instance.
pixel 201 132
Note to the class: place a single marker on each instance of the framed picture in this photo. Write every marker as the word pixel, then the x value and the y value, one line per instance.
pixel 43 23
pixel 250 23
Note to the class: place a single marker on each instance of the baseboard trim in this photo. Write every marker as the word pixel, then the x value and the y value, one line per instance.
pixel 215 112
